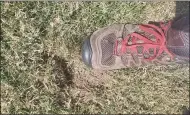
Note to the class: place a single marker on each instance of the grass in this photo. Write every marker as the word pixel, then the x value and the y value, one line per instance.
pixel 42 71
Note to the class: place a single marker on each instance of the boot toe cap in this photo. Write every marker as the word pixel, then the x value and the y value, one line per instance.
pixel 87 53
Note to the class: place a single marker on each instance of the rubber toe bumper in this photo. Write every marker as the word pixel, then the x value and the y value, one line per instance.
pixel 87 53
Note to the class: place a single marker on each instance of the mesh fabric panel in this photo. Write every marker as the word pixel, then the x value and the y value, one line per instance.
pixel 107 45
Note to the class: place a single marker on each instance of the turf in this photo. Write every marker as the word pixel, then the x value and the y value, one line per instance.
pixel 42 71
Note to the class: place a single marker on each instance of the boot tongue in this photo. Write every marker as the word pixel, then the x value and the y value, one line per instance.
pixel 178 37
pixel 175 39
pixel 118 46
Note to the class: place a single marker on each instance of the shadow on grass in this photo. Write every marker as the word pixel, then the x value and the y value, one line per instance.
pixel 63 73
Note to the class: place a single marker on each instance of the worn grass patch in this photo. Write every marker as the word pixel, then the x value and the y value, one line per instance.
pixel 42 71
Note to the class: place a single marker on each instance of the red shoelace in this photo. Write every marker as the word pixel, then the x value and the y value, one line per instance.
pixel 159 43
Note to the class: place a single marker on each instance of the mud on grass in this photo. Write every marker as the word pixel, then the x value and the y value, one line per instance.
pixel 42 70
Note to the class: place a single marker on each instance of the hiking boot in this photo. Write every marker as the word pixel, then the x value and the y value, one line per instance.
pixel 126 45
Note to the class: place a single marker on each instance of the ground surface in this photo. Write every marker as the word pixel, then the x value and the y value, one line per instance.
pixel 42 71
